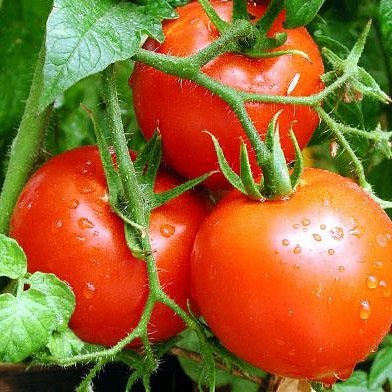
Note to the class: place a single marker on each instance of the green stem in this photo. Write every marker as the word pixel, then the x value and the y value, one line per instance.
pixel 240 10
pixel 133 195
pixel 25 147
pixel 216 20
pixel 335 129
pixel 273 10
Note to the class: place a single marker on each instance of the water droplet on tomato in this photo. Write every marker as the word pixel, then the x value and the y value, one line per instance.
pixel 356 232
pixel 297 250
pixel 87 189
pixel 364 310
pixel 285 242
pixel 296 226
pixel 371 281
pixel 382 240
pixel 57 225
pixel 331 252
pixel 323 227
pixel 80 238
pixel 297 266
pixel 167 230
pixel 386 290
pixel 341 268
pixel 379 264
pixel 290 312
pixel 337 233
pixel 84 223
pixel 317 237
pixel 73 204
pixel 29 205
pixel 88 168
pixel 89 290
pixel 305 222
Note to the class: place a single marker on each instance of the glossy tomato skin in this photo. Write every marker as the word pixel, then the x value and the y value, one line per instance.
pixel 299 287
pixel 65 225
pixel 182 111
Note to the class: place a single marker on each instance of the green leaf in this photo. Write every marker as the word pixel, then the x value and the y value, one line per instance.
pixel 358 382
pixel 26 323
pixel 381 369
pixel 84 37
pixel 22 26
pixel 13 262
pixel 64 344
pixel 385 15
pixel 300 13
pixel 59 296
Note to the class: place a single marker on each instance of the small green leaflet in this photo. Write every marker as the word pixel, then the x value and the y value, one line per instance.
pixel 300 13
pixel 83 37
pixel 381 370
pixel 26 322
pixel 358 382
pixel 13 262
pixel 28 318
pixel 64 344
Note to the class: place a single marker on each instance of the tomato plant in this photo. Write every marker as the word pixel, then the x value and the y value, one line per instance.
pixel 66 226
pixel 298 287
pixel 183 111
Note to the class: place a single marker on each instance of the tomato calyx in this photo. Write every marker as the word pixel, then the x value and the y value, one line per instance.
pixel 278 182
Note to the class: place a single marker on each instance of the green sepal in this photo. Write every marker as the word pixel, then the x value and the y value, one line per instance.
pixel 116 190
pixel 133 238
pixel 240 10
pixel 300 12
pixel 158 199
pixel 298 167
pixel 251 188
pixel 357 50
pixel 233 178
pixel 148 160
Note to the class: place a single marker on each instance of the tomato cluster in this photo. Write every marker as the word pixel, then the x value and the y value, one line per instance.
pixel 299 287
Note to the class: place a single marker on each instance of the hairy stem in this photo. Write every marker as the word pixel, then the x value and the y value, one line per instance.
pixel 25 147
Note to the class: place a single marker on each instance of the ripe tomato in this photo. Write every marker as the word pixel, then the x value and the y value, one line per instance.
pixel 183 111
pixel 65 225
pixel 299 287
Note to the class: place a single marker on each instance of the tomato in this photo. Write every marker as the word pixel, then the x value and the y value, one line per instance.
pixel 183 111
pixel 65 225
pixel 299 287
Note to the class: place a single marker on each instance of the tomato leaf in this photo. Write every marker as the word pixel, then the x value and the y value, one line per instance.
pixel 358 382
pixel 64 344
pixel 59 296
pixel 300 13
pixel 26 321
pixel 13 263
pixel 385 15
pixel 22 26
pixel 84 37
pixel 381 369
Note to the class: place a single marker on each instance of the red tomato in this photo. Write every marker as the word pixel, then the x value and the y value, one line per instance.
pixel 65 225
pixel 183 111
pixel 299 287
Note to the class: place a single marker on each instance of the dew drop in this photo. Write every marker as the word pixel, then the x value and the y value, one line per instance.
pixel 386 290
pixel 88 168
pixel 285 242
pixel 341 268
pixel 89 290
pixel 297 266
pixel 73 204
pixel 305 222
pixel 290 312
pixel 337 233
pixel 371 281
pixel 317 237
pixel 84 223
pixel 296 226
pixel 323 227
pixel 57 225
pixel 379 264
pixel 381 240
pixel 356 232
pixel 331 252
pixel 364 311
pixel 80 238
pixel 86 190
pixel 167 230
pixel 297 250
